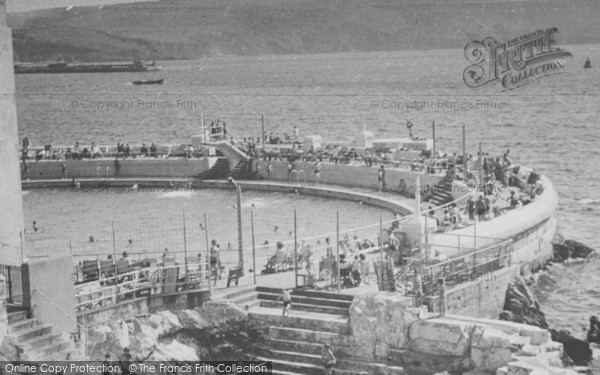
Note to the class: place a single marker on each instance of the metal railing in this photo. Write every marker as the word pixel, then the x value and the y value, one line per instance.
pixel 141 282
pixel 474 264
pixel 14 287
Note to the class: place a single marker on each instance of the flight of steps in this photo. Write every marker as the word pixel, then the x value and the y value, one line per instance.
pixel 35 340
pixel 441 193
pixel 239 171
pixel 219 170
pixel 315 318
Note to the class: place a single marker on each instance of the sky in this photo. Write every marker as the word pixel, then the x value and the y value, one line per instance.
pixel 13 6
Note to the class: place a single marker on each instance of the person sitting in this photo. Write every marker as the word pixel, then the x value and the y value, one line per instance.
pixel 125 257
pixel 356 271
pixel 344 271
pixel 513 199
pixel 367 244
pixel 95 151
pixel 277 259
pixel 144 150
pixel 128 151
pixel 153 150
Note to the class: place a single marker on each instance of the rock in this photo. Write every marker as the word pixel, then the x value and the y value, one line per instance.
pixel 380 321
pixel 221 311
pixel 143 339
pixel 490 349
pixel 188 339
pixel 561 252
pixel 106 338
pixel 578 350
pixel 441 336
pixel 579 250
pixel 174 351
pixel 593 335
pixel 571 249
pixel 165 323
pixel 191 319
pixel 520 306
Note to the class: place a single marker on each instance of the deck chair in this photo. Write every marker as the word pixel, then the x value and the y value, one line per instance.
pixel 277 261
pixel 326 267
pixel 107 268
pixel 90 270
pixel 123 268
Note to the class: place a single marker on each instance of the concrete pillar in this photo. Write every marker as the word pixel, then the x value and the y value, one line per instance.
pixel 11 207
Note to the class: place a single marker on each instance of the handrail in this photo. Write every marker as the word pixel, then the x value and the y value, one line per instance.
pixel 57 307
pixel 449 261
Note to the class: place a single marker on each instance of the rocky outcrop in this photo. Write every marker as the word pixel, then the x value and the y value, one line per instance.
pixel 186 335
pixel 380 321
pixel 571 249
pixel 578 350
pixel 593 335
pixel 521 306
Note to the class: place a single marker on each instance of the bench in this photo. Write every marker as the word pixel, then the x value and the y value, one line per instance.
pixel 234 273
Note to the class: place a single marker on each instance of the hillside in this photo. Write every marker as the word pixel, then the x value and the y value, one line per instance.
pixel 189 29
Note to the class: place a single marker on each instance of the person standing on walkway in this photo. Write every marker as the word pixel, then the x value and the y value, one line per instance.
pixel 63 171
pixel 269 170
pixel 328 359
pixel 442 293
pixel 318 171
pixel 287 303
pixel 27 169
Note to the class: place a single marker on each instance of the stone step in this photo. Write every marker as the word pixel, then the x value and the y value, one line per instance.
pixel 291 356
pixel 21 325
pixel 306 368
pixel 519 341
pixel 247 301
pixel 234 292
pixel 40 341
pixel 310 308
pixel 308 300
pixel 54 350
pixel 303 319
pixel 311 347
pixel 308 335
pixel 32 332
pixel 378 368
pixel 308 293
pixel 321 294
pixel 16 316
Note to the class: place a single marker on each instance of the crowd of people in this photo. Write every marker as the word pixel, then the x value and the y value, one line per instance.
pixel 505 186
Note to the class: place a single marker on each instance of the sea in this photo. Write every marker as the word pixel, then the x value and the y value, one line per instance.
pixel 550 124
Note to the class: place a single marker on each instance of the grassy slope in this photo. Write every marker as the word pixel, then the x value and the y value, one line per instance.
pixel 196 28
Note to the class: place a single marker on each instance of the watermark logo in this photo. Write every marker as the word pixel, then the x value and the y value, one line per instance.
pixel 516 62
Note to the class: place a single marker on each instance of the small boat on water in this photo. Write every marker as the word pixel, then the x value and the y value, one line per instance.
pixel 587 64
pixel 149 82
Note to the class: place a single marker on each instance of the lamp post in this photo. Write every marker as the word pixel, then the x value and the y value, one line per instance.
pixel 240 242
pixel 230 180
